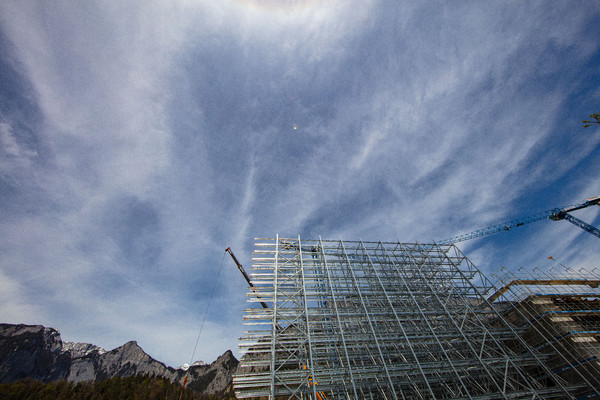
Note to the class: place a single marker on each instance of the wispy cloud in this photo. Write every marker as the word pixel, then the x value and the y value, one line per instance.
pixel 138 141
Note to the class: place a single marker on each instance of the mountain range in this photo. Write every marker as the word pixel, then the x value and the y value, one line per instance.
pixel 38 352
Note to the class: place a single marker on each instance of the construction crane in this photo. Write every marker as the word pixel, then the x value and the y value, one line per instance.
pixel 555 214
pixel 235 260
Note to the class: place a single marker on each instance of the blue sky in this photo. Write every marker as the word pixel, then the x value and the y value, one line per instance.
pixel 138 140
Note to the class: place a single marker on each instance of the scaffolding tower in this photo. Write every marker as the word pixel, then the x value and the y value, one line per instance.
pixel 381 320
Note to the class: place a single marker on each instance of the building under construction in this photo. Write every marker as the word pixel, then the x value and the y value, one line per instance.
pixel 379 320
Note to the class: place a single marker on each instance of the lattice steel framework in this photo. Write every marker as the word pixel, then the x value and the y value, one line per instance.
pixel 361 320
pixel 557 311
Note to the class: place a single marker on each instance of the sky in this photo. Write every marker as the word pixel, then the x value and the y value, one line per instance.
pixel 139 139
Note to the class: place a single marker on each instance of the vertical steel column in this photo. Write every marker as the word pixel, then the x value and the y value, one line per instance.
pixel 312 371
pixel 362 301
pixel 400 324
pixel 459 329
pixel 426 319
pixel 274 327
pixel 337 315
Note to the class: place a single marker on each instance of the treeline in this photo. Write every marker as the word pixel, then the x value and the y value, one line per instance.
pixel 117 388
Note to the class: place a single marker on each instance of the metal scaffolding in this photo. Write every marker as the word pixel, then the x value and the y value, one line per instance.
pixel 380 320
pixel 557 311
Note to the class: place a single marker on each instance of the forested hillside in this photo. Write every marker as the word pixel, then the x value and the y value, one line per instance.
pixel 116 388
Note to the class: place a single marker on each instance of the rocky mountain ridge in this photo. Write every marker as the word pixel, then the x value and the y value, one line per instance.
pixel 38 352
pixel 81 349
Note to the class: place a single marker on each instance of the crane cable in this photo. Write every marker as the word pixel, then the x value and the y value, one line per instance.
pixel 202 325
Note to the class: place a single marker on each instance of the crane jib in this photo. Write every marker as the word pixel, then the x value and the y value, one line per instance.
pixel 237 263
pixel 555 214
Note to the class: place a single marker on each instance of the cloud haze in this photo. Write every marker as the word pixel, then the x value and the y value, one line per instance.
pixel 138 140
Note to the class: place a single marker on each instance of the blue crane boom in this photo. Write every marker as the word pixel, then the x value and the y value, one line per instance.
pixel 555 214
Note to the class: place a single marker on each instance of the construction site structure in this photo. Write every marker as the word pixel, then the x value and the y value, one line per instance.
pixel 388 320
pixel 558 312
